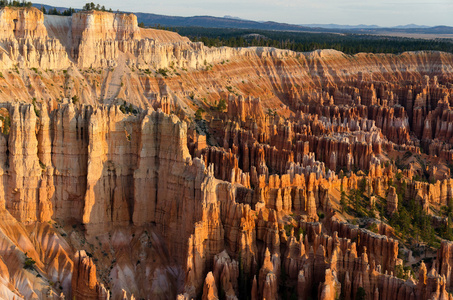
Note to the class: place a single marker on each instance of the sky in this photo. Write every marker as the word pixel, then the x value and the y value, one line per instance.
pixel 343 12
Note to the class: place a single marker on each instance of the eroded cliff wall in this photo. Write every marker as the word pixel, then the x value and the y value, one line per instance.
pixel 109 183
pixel 135 171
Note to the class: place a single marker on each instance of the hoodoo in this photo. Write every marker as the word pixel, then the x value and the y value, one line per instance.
pixel 136 164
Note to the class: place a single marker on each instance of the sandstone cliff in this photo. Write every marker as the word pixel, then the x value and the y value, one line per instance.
pixel 110 188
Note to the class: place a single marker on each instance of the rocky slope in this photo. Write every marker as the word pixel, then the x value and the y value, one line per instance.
pixel 135 164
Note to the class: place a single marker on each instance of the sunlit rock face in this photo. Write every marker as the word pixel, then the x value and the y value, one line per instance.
pixel 135 164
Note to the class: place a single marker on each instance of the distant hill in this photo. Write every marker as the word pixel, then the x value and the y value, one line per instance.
pixel 337 26
pixel 363 26
pixel 216 22
pixel 203 21
pixel 232 17
pixel 47 7
pixel 411 26
pixel 150 19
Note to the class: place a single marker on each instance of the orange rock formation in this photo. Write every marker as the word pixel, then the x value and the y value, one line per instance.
pixel 111 189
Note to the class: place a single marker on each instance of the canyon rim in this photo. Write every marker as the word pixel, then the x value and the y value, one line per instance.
pixel 136 164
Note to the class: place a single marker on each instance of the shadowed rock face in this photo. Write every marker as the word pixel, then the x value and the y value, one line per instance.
pixel 110 189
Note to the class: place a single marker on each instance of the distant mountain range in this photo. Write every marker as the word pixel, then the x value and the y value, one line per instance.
pixel 150 19
pixel 362 26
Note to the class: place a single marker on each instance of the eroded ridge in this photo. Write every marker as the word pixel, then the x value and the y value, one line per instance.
pixel 136 164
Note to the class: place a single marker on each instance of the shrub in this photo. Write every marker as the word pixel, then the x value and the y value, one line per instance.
pixel 163 72
pixel 374 228
pixel 288 228
pixel 75 99
pixel 360 294
pixel 6 124
pixel 199 114
pixel 221 106
pixel 29 263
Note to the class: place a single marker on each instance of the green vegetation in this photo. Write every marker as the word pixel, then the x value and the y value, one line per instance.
pixel 360 294
pixel 92 6
pixel 70 11
pixel 35 107
pixel 271 112
pixel 356 203
pixel 299 232
pixel 399 162
pixel 164 72
pixel 412 222
pixel 343 201
pixel 29 263
pixel 245 284
pixel 373 228
pixel 303 41
pixel 128 109
pixel 199 114
pixel 231 90
pixel 146 71
pixel 75 99
pixel 445 230
pixel 288 228
pixel 4 3
pixel 402 272
pixel 221 106
pixel 158 26
pixel 286 292
pixel 6 124
pixel 54 11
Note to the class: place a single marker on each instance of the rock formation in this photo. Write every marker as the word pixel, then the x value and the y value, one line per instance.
pixel 392 201
pixel 136 164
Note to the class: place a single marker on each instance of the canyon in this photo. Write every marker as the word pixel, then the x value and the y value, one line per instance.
pixel 136 164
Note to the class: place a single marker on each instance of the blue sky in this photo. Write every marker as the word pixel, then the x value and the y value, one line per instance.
pixel 345 12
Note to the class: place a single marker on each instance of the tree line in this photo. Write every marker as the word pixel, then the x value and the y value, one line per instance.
pixel 54 11
pixel 92 6
pixel 70 11
pixel 304 41
pixel 22 3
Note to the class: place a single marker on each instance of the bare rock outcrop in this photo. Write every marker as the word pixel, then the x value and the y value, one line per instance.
pixel 392 201
pixel 27 42
pixel 84 281
pixel 209 288
pixel 251 198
